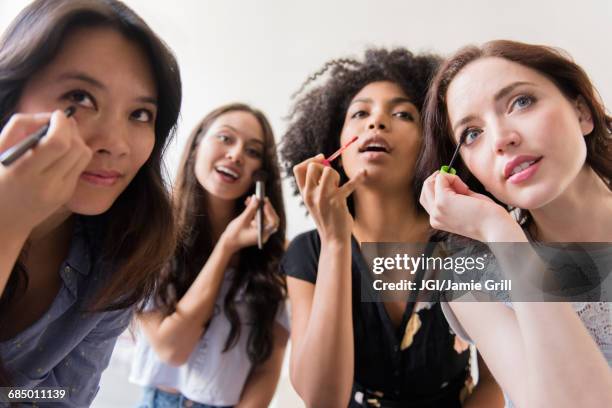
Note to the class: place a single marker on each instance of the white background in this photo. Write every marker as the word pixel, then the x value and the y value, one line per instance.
pixel 261 51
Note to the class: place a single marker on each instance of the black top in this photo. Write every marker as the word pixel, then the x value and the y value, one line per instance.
pixel 425 373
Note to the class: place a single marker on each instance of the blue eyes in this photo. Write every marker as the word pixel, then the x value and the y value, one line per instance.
pixel 522 101
pixel 469 135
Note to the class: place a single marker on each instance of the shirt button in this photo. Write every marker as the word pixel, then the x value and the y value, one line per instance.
pixel 67 269
pixel 397 373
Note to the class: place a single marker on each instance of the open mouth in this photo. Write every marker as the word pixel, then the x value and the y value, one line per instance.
pixel 523 166
pixel 374 147
pixel 227 172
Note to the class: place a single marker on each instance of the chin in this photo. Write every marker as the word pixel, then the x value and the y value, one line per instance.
pixel 89 205
pixel 532 198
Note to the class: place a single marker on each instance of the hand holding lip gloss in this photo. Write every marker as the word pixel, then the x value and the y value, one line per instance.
pixel 338 152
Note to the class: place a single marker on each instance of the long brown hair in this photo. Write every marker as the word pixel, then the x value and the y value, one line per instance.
pixel 572 81
pixel 136 247
pixel 258 270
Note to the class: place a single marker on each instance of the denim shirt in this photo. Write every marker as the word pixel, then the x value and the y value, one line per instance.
pixel 68 346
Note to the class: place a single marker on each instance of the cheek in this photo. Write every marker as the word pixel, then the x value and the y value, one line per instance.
pixel 141 146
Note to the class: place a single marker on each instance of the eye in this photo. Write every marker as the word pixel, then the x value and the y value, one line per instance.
pixel 522 101
pixel 470 135
pixel 81 98
pixel 359 114
pixel 254 153
pixel 404 115
pixel 142 115
pixel 223 137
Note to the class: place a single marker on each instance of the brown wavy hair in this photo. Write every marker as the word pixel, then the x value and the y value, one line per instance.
pixel 439 144
pixel 258 271
pixel 136 247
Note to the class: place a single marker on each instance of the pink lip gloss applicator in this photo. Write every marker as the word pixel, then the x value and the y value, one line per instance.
pixel 334 156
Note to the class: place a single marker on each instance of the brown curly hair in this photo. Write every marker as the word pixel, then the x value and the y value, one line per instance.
pixel 317 117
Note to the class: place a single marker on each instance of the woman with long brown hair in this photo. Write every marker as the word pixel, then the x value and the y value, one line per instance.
pixel 79 250
pixel 536 139
pixel 216 333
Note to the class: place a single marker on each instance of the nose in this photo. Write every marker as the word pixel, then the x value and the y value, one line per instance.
pixel 107 135
pixel 377 121
pixel 235 153
pixel 505 138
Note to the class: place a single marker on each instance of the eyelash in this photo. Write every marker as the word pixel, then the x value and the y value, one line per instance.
pixel 530 98
pixel 464 135
pixel 404 115
pixel 252 152
pixel 71 96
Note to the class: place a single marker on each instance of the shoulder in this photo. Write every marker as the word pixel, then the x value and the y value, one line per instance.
pixel 302 256
pixel 308 240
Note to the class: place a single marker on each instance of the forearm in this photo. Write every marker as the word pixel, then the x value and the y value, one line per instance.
pixel 263 379
pixel 558 348
pixel 323 363
pixel 559 351
pixel 175 336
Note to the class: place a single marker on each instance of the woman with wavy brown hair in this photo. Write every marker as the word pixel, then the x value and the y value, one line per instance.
pixel 535 139
pixel 79 250
pixel 216 333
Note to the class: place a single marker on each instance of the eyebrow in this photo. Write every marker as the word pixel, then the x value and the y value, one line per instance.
pixel 250 139
pixel 80 76
pixel 498 95
pixel 395 101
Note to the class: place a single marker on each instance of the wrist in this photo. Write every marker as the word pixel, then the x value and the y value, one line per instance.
pixel 501 227
pixel 227 244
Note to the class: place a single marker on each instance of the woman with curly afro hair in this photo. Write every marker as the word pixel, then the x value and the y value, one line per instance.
pixel 347 352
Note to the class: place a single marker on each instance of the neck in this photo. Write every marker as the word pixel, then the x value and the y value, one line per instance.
pixel 221 212
pixel 53 227
pixel 48 245
pixel 583 213
pixel 388 217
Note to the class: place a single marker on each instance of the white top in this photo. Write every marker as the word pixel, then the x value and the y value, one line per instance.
pixel 209 376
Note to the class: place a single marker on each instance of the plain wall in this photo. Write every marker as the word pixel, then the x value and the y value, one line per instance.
pixel 261 51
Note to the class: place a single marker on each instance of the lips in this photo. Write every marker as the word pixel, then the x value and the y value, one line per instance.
pixel 519 165
pixel 374 144
pixel 229 173
pixel 101 177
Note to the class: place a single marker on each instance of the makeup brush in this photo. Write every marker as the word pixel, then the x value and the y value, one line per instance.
pixel 15 152
pixel 449 169
pixel 338 152
pixel 260 177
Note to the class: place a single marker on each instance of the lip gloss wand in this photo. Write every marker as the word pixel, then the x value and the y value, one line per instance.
pixel 338 152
